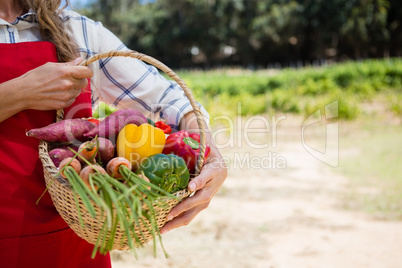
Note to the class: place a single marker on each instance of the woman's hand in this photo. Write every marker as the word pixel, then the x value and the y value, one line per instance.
pixel 54 86
pixel 206 184
pixel 51 86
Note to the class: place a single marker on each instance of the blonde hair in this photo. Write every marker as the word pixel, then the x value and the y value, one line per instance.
pixel 51 26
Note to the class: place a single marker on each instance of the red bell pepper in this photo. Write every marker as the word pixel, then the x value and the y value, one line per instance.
pixel 187 146
pixel 165 127
pixel 94 120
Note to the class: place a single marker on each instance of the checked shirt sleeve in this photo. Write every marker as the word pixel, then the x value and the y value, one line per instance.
pixel 126 82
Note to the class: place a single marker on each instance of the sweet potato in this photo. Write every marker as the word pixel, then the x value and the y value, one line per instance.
pixel 63 131
pixel 59 154
pixel 105 149
pixel 111 125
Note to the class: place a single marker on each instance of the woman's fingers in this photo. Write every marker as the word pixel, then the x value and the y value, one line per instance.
pixel 184 219
pixel 77 72
pixel 203 192
pixel 78 75
pixel 200 181
pixel 54 85
pixel 69 102
pixel 202 196
pixel 80 83
pixel 80 72
pixel 77 61
pixel 206 184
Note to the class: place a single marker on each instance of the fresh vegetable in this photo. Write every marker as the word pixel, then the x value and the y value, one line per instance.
pixel 169 172
pixel 152 123
pixel 87 151
pixel 126 206
pixel 105 149
pixel 114 164
pixel 68 130
pixel 145 179
pixel 187 146
pixel 103 110
pixel 137 142
pixel 111 125
pixel 88 170
pixel 72 162
pixel 94 120
pixel 126 203
pixel 165 127
pixel 59 154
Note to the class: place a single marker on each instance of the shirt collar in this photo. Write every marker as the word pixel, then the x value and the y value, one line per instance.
pixel 25 21
pixel 30 16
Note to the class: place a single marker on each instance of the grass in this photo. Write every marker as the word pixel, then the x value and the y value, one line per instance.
pixel 374 169
pixel 299 91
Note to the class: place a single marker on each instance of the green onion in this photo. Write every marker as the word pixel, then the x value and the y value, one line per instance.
pixel 129 206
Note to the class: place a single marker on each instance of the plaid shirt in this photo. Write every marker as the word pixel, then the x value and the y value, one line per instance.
pixel 126 83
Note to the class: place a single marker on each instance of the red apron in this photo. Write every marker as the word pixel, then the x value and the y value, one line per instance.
pixel 33 235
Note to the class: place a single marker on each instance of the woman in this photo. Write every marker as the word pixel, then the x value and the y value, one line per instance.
pixel 40 49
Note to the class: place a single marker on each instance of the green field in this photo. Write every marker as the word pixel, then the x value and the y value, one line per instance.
pixel 300 91
pixel 370 109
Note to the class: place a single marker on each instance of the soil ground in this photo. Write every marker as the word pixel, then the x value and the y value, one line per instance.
pixel 277 216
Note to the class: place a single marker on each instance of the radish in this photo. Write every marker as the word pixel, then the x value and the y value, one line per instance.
pixel 105 149
pixel 59 154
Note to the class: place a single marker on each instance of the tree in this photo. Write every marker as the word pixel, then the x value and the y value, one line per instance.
pixel 208 33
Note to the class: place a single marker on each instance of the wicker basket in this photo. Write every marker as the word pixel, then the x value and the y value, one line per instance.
pixel 63 197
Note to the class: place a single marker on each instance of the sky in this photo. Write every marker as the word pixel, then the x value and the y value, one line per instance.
pixel 80 3
pixel 76 3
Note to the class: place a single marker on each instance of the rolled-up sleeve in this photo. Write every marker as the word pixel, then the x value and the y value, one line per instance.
pixel 126 82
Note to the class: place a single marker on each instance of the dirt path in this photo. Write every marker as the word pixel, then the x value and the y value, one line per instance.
pixel 278 218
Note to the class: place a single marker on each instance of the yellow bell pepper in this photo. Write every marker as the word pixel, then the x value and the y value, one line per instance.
pixel 138 142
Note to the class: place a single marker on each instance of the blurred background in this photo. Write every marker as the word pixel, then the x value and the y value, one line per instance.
pixel 267 72
pixel 253 34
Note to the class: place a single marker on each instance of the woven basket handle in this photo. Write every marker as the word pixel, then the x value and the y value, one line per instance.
pixel 171 74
